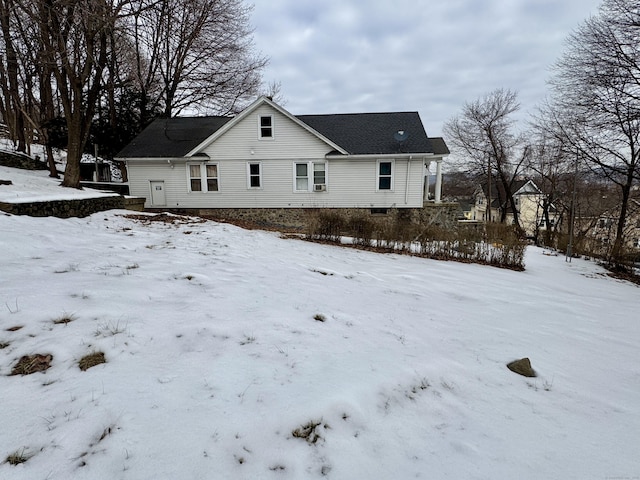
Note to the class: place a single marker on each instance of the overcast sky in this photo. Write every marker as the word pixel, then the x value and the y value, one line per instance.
pixel 346 56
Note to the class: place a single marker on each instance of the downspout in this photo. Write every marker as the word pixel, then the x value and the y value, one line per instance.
pixel 406 188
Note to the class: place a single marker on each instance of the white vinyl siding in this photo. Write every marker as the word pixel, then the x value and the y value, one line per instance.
pixel 352 185
pixel 290 141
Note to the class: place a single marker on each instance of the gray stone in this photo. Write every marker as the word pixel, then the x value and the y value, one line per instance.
pixel 522 367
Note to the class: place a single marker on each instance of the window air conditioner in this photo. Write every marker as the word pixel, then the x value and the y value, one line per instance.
pixel 319 187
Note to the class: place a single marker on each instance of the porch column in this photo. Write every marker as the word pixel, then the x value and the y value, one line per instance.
pixel 427 181
pixel 438 198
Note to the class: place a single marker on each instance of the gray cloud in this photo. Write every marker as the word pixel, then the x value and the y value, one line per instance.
pixel 339 56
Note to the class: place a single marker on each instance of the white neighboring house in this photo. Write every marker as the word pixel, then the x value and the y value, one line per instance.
pixel 266 157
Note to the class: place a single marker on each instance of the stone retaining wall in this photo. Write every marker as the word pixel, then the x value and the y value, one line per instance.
pixel 19 160
pixel 64 208
pixel 444 214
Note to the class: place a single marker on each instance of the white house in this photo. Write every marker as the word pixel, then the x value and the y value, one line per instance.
pixel 267 158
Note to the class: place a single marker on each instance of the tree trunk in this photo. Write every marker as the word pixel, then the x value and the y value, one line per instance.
pixel 53 171
pixel 13 101
pixel 74 152
pixel 618 245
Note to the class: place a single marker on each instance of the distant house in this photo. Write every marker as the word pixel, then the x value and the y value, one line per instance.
pixel 529 201
pixel 267 158
pixel 599 230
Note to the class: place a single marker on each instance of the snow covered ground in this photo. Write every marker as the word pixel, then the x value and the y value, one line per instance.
pixel 37 186
pixel 220 343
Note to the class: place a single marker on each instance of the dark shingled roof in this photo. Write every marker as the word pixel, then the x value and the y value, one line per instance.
pixel 172 137
pixel 357 133
pixel 373 133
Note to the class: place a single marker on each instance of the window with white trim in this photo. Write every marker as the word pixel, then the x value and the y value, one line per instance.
pixel 212 177
pixel 266 126
pixel 254 175
pixel 319 174
pixel 302 177
pixel 310 176
pixel 385 175
pixel 203 177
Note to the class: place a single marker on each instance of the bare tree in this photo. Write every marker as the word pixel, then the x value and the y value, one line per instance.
pixel 483 134
pixel 194 54
pixel 594 106
pixel 85 59
pixel 9 73
pixel 74 37
pixel 36 105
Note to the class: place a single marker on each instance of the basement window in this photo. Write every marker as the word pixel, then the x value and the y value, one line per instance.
pixel 379 211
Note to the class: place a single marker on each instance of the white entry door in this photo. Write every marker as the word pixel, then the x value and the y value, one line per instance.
pixel 157 194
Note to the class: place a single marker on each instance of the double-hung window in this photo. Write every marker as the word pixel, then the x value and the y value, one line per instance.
pixel 212 177
pixel 266 127
pixel 254 175
pixel 319 176
pixel 385 175
pixel 203 177
pixel 310 176
pixel 302 177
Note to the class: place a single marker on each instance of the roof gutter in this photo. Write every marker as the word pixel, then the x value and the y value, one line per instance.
pixel 369 156
pixel 159 159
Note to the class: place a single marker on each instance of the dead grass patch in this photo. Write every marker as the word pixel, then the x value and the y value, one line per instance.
pixel 91 360
pixel 164 218
pixel 18 457
pixel 64 319
pixel 29 364
pixel 308 432
pixel 4 345
pixel 14 329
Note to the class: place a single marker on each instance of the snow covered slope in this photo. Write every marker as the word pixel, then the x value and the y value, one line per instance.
pixel 235 354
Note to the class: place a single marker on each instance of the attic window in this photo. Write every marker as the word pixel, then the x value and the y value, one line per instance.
pixel 266 126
